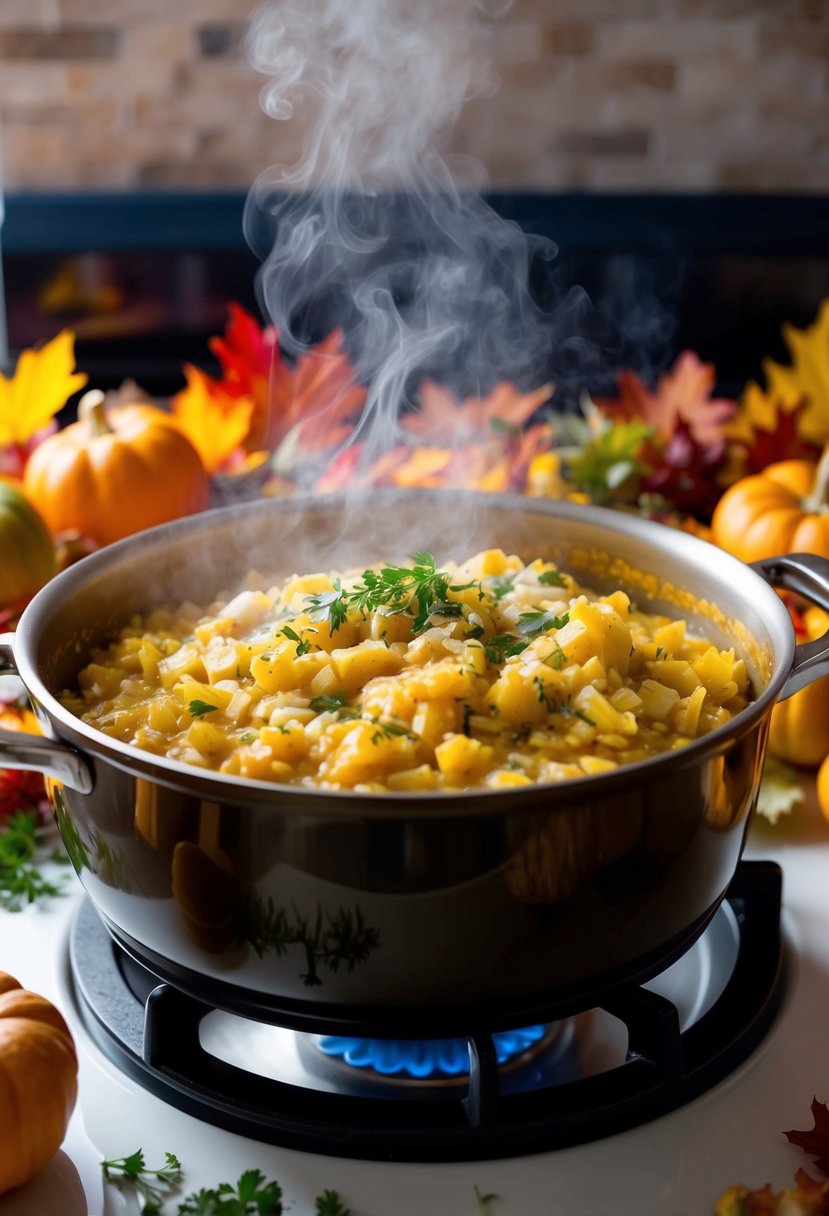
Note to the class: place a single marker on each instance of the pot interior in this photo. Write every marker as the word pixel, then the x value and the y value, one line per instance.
pixel 197 558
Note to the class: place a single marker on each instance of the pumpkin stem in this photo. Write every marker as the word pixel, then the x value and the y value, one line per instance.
pixel 818 500
pixel 91 411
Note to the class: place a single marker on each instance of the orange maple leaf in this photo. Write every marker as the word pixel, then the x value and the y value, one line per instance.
pixel 441 418
pixel 215 420
pixel 42 383
pixel 315 402
pixel 321 388
pixel 682 395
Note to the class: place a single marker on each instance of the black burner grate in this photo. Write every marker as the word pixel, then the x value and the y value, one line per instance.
pixel 151 1031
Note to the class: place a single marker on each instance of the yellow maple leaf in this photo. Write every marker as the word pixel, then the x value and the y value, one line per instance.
pixel 214 420
pixel 807 378
pixel 42 383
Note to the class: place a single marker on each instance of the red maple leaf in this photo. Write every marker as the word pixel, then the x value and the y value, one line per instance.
pixel 782 441
pixel 684 472
pixel 682 396
pixel 816 1141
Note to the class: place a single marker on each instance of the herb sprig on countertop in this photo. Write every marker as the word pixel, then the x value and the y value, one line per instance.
pixel 420 590
pixel 132 1171
pixel 253 1195
pixel 21 882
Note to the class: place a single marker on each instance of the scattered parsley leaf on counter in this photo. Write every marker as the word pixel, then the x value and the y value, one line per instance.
pixel 484 1201
pixel 252 1196
pixel 132 1170
pixel 330 1204
pixel 21 882
pixel 199 708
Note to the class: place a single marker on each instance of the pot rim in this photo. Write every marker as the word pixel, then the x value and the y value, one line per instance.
pixel 221 787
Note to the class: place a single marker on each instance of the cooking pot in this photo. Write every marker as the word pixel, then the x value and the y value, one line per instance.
pixel 306 905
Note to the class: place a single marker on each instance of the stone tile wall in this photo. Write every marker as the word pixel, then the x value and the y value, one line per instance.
pixel 667 95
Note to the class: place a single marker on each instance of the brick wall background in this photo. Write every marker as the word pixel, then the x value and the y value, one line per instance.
pixel 671 95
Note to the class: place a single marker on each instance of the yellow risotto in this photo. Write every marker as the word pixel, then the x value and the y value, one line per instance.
pixel 416 677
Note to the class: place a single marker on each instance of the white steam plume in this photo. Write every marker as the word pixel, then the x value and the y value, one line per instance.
pixel 370 229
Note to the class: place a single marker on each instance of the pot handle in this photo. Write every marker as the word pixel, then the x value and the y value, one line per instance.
pixel 20 750
pixel 808 575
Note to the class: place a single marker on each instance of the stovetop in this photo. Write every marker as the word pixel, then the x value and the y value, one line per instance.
pixel 676 1165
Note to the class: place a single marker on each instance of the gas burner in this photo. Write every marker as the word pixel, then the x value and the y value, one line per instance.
pixel 642 1051
pixel 429 1059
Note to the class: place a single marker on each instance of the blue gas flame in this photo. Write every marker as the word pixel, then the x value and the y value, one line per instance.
pixel 421 1060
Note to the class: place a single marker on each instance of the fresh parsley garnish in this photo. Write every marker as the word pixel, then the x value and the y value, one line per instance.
pixel 248 736
pixel 559 707
pixel 328 702
pixel 389 730
pixel 552 578
pixel 330 606
pixel 21 882
pixel 199 708
pixel 533 624
pixel 484 1201
pixel 253 1194
pixel 503 646
pixel 501 585
pixel 133 1171
pixel 330 1204
pixel 420 590
pixel 302 644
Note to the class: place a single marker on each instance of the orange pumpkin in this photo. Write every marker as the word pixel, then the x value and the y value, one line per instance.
pixel 38 1082
pixel 799 730
pixel 111 474
pixel 784 509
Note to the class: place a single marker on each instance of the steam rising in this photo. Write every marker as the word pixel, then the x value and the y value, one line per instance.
pixel 372 229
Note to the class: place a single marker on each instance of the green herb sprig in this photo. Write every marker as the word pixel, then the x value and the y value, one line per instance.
pixel 132 1171
pixel 21 882
pixel 421 590
pixel 199 708
pixel 253 1195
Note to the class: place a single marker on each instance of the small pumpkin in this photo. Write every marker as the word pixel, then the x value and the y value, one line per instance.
pixel 38 1082
pixel 784 509
pixel 114 473
pixel 799 730
pixel 28 551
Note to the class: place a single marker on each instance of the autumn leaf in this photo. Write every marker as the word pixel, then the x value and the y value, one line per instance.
pixel 19 790
pixel 807 378
pixel 214 420
pixel 765 430
pixel 442 419
pixel 604 467
pixel 315 404
pixel 807 1198
pixel 682 395
pixel 42 383
pixel 251 363
pixel 816 1141
pixel 685 472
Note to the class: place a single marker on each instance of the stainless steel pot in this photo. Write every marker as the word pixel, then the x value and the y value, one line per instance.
pixel 287 902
